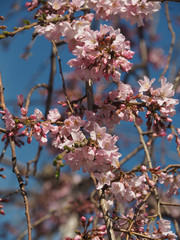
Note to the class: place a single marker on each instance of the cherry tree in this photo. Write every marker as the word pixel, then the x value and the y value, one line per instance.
pixel 118 78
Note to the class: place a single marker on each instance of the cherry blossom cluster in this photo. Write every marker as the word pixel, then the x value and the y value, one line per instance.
pixel 171 181
pixel 158 100
pixel 123 104
pixel 87 144
pixel 161 228
pixel 98 53
pixel 134 11
pixel 101 54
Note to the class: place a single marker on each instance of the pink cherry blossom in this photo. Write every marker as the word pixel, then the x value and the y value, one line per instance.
pixel 8 118
pixel 145 84
pixel 38 114
pixel 53 115
pixel 104 178
pixel 56 4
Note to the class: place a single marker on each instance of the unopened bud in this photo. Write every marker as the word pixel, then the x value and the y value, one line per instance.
pixel 20 100
pixel 83 219
pixel 90 219
pixel 143 168
pixel 28 4
pixel 20 125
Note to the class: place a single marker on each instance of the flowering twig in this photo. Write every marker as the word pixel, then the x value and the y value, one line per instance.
pixel 6 34
pixel 107 218
pixel 136 234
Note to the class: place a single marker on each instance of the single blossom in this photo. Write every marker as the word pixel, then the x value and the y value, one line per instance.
pixel 53 115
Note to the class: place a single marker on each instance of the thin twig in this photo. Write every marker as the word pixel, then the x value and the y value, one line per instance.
pixel 62 76
pixel 172 40
pixel 144 145
pixel 150 165
pixel 35 160
pixel 136 234
pixel 36 223
pixel 51 80
pixel 3 151
pixel 2 102
pixel 176 225
pixel 22 186
pixel 170 204
pixel 2 130
pixel 43 85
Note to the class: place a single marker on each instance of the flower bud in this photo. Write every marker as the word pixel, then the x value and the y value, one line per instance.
pixel 83 219
pixel 23 111
pixel 20 100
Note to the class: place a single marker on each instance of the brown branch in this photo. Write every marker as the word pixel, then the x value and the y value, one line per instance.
pixel 2 102
pixel 2 130
pixel 90 95
pixel 170 204
pixel 168 168
pixel 62 76
pixel 44 85
pixel 172 41
pixel 3 151
pixel 176 225
pixel 144 145
pixel 22 186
